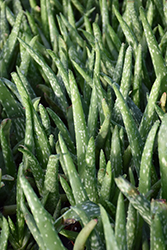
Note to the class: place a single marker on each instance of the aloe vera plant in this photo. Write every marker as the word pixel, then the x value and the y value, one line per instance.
pixel 83 124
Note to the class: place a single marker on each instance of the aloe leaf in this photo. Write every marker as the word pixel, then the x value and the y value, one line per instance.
pixel 12 87
pixel 165 8
pixel 102 168
pixel 105 15
pixel 78 6
pixel 67 191
pixel 119 65
pixel 33 25
pixel 158 207
pixel 45 119
pixel 13 236
pixel 20 199
pixel 71 16
pixel 9 46
pixel 159 111
pixel 51 185
pixel 51 176
pixel 126 74
pixel 88 209
pixel 101 137
pixel 75 181
pixel 25 57
pixel 105 191
pixel 75 37
pixel 120 224
pixel 41 217
pixel 4 25
pixel 136 199
pixel 79 124
pixel 4 233
pixel 95 240
pixel 163 100
pixel 116 154
pixel 50 75
pixel 125 84
pixel 134 137
pixel 32 226
pixel 97 35
pixel 158 228
pixel 26 84
pixel 21 88
pixel 63 129
pixel 84 234
pixel 114 37
pixel 157 239
pixel 131 227
pixel 87 78
pixel 146 161
pixel 90 172
pixel 127 31
pixel 44 18
pixel 62 70
pixel 63 31
pixel 148 116
pixel 29 135
pixel 87 25
pixel 134 18
pixel 35 168
pixel 42 146
pixel 13 110
pixel 162 147
pixel 137 76
pixel 160 7
pixel 157 58
pixel 110 240
pixel 89 37
pixel 97 68
pixel 7 154
pixel 93 114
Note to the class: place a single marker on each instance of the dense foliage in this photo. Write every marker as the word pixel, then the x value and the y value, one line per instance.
pixel 83 124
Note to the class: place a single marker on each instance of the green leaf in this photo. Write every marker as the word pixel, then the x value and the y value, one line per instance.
pixel 9 47
pixel 67 191
pixel 35 168
pixel 90 181
pixel 84 234
pixel 120 224
pixel 137 200
pixel 162 147
pixel 41 217
pixel 13 110
pixel 116 154
pixel 50 75
pixel 105 192
pixel 75 181
pixel 127 31
pixel 110 240
pixel 32 226
pixel 146 161
pixel 148 116
pixel 131 227
pixel 7 154
pixel 157 58
pixel 126 74
pixel 134 137
pixel 4 233
pixel 79 124
pixel 63 129
pixel 158 224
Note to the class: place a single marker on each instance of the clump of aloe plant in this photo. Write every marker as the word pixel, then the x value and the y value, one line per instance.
pixel 83 124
